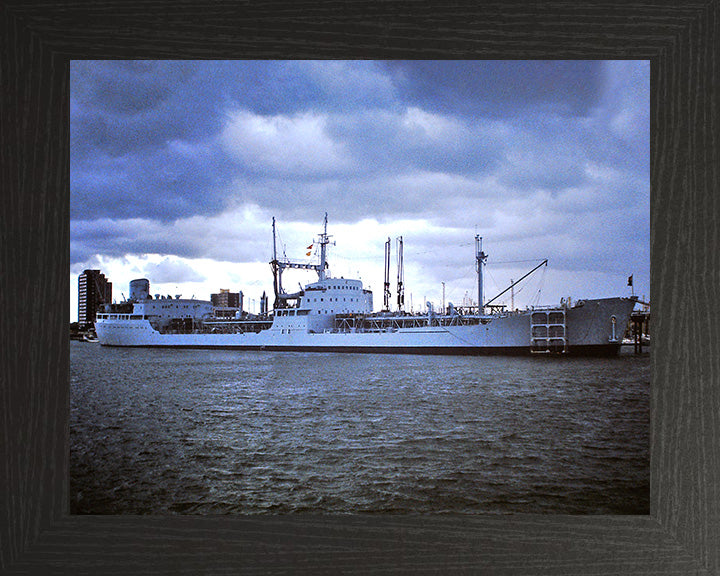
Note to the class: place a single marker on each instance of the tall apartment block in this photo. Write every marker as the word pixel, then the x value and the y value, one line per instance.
pixel 227 303
pixel 93 291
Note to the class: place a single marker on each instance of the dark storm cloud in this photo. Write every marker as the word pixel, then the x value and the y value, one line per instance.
pixel 320 86
pixel 118 107
pixel 498 88
pixel 140 141
pixel 218 238
pixel 145 135
pixel 386 142
pixel 119 238
pixel 177 180
pixel 131 123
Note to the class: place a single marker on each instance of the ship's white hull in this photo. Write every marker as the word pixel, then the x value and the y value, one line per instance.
pixel 596 327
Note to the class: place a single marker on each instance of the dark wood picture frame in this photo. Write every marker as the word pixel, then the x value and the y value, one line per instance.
pixel 681 535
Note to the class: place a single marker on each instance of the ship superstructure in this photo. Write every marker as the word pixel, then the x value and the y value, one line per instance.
pixel 336 315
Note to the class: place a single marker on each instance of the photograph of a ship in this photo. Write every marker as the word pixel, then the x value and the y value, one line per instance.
pixel 360 287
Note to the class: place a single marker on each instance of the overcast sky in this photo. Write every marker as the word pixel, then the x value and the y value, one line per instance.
pixel 178 167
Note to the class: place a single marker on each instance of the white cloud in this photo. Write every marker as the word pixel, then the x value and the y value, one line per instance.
pixel 297 144
pixel 432 126
pixel 173 270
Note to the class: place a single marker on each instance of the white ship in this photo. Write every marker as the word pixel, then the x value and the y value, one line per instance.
pixel 336 315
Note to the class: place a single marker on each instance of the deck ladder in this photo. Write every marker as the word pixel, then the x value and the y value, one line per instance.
pixel 548 332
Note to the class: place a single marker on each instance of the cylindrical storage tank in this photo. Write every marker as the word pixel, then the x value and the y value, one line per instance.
pixel 139 289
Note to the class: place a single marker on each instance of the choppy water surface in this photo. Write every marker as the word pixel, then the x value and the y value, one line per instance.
pixel 207 432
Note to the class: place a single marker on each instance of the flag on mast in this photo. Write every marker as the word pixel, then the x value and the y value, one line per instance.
pixel 630 280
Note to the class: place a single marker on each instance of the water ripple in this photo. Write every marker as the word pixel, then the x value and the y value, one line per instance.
pixel 222 432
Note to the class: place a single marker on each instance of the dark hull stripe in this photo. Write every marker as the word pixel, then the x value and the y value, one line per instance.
pixel 591 350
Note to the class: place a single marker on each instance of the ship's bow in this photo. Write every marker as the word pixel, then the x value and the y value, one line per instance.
pixel 597 327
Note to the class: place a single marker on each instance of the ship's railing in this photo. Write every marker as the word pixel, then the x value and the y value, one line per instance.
pixel 235 327
pixel 385 323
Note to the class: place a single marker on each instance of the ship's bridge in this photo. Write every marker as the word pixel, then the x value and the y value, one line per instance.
pixel 336 296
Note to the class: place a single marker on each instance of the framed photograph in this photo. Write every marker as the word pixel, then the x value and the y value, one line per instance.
pixel 472 379
pixel 664 523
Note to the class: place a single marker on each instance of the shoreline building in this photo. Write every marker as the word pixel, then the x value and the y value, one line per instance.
pixel 227 304
pixel 93 291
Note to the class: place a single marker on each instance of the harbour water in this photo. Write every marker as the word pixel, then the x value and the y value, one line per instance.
pixel 229 432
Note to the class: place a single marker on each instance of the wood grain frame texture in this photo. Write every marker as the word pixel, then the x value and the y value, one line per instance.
pixel 39 536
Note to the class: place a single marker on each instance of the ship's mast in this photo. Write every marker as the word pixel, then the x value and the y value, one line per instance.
pixel 480 257
pixel 324 241
pixel 277 271
pixel 279 266
pixel 401 276
pixel 386 284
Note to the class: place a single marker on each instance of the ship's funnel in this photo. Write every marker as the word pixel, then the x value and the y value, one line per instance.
pixel 139 289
